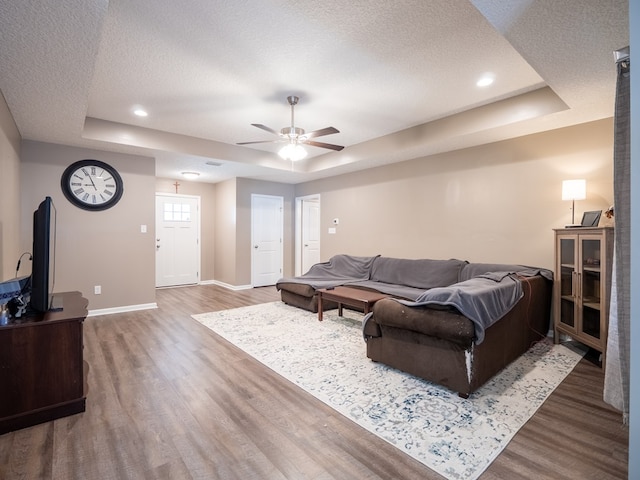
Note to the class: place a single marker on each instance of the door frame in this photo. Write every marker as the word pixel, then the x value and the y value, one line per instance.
pixel 197 198
pixel 298 229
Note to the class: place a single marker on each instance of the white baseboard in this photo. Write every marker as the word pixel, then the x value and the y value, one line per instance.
pixel 226 285
pixel 127 308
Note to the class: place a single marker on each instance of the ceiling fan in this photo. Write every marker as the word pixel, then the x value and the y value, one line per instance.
pixel 295 137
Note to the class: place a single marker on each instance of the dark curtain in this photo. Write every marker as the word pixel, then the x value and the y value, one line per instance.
pixel 616 388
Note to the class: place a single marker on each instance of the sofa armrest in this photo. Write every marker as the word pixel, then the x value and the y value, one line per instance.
pixel 445 323
pixel 303 289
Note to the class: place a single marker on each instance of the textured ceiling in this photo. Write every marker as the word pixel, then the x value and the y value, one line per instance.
pixel 397 78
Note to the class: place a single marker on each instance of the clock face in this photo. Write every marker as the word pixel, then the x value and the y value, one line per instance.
pixel 92 185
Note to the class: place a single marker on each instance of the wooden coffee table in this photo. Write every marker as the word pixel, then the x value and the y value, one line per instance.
pixel 354 297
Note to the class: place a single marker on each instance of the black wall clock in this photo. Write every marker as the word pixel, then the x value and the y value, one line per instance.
pixel 92 185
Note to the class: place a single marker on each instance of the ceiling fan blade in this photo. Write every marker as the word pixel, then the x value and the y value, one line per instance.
pixel 260 141
pixel 321 132
pixel 265 128
pixel 325 145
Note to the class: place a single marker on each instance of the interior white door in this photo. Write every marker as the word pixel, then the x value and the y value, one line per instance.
pixel 267 230
pixel 177 240
pixel 310 224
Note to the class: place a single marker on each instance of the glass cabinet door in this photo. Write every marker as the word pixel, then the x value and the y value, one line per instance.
pixel 590 286
pixel 568 275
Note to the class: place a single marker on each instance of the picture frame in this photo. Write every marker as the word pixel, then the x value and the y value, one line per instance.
pixel 591 219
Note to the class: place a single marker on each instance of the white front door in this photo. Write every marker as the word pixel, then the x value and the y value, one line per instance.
pixel 177 240
pixel 267 230
pixel 310 233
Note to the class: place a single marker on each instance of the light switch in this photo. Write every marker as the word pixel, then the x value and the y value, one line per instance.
pixel 143 229
pixel 332 230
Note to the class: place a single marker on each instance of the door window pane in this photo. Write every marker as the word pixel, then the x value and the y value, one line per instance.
pixel 177 212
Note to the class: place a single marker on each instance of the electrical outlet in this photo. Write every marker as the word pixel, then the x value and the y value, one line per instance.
pixel 97 289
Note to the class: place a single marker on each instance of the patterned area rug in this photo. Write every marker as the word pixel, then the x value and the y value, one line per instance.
pixel 457 438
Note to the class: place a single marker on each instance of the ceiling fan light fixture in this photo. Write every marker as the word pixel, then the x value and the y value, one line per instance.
pixel 293 152
pixel 296 137
pixel 292 132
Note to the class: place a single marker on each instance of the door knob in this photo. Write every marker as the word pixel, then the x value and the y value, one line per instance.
pixel 255 246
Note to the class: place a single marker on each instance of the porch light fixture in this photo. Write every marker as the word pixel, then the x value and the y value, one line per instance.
pixel 190 175
pixel 292 151
pixel 574 190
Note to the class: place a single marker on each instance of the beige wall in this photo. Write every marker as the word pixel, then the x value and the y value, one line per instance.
pixel 207 194
pixel 95 248
pixel 225 232
pixel 245 188
pixel 9 194
pixel 233 227
pixel 493 203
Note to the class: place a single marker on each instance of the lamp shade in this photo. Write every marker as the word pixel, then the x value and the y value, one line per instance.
pixel 574 189
pixel 293 152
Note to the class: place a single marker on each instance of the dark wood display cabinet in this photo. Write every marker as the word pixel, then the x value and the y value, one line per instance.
pixel 42 370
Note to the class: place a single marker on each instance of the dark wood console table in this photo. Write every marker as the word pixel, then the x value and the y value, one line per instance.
pixel 42 371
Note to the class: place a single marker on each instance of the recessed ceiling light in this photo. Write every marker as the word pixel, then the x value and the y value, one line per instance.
pixel 140 112
pixel 190 175
pixel 486 80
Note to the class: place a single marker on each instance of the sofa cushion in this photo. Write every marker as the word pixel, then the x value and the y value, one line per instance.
pixel 400 291
pixel 471 270
pixel 483 299
pixel 339 270
pixel 419 273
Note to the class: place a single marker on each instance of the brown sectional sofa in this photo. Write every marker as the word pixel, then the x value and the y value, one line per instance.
pixel 421 328
pixel 397 277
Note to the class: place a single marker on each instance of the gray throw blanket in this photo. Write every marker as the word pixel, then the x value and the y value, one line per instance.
pixel 340 269
pixel 484 299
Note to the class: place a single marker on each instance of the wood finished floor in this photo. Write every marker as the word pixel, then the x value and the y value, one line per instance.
pixel 168 399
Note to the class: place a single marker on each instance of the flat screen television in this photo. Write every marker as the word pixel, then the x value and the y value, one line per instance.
pixel 43 263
